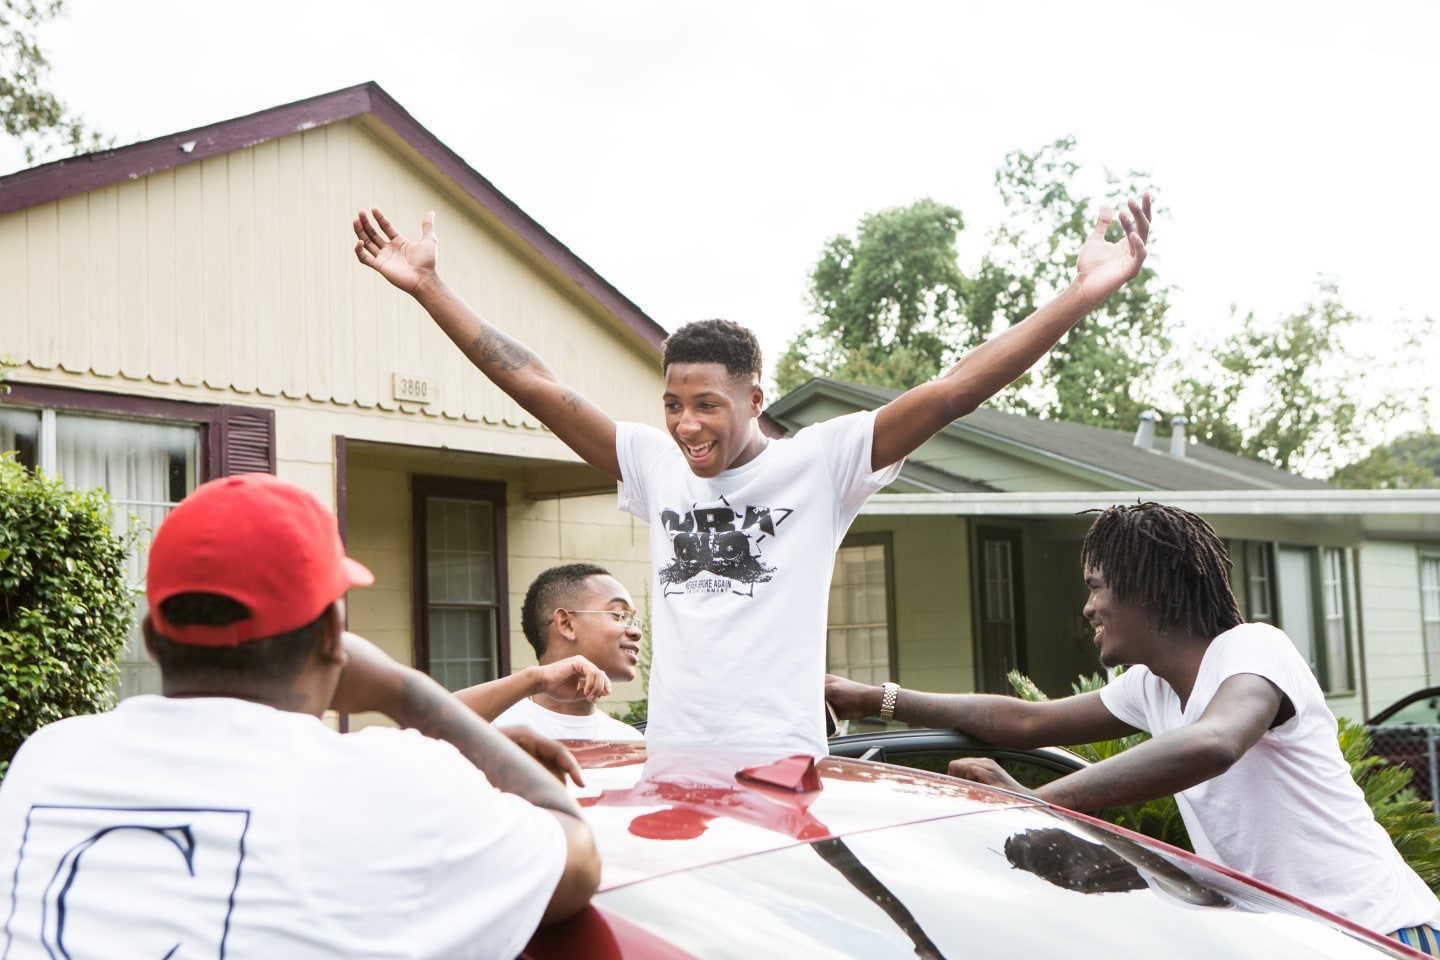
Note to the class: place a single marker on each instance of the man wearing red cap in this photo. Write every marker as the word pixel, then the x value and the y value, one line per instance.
pixel 224 818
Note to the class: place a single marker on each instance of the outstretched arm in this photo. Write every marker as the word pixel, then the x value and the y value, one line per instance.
pixel 1103 268
pixel 999 720
pixel 573 678
pixel 1244 707
pixel 411 266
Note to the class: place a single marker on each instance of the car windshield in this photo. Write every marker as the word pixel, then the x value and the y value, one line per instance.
pixel 1005 883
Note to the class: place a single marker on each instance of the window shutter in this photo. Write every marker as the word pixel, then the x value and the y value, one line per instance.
pixel 247 441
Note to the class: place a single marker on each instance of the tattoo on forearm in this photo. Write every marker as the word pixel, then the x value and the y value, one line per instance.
pixel 572 400
pixel 426 708
pixel 492 346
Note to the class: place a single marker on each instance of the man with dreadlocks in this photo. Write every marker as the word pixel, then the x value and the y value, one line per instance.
pixel 1241 733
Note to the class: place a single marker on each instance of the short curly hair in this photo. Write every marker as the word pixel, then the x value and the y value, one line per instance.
pixel 552 589
pixel 715 341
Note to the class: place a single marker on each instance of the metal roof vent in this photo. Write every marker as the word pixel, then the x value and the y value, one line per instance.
pixel 1177 436
pixel 1145 436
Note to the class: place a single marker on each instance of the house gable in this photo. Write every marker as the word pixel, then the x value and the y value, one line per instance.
pixel 219 260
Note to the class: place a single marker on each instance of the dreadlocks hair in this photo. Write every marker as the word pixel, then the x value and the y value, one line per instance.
pixel 549 591
pixel 714 341
pixel 1170 561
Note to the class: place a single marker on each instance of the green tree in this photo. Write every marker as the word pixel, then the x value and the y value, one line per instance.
pixel 890 302
pixel 1300 394
pixel 30 112
pixel 1101 372
pixel 1411 462
pixel 895 309
pixel 65 603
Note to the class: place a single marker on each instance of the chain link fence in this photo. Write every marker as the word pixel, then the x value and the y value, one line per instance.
pixel 1412 745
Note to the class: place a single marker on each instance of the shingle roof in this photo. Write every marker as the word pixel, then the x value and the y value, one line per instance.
pixel 1111 452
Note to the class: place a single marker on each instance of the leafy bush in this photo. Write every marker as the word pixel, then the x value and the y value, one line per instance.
pixel 1409 820
pixel 65 605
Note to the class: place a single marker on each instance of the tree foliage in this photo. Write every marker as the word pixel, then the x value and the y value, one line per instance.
pixel 894 307
pixel 1411 462
pixel 1301 394
pixel 1101 371
pixel 65 604
pixel 29 111
pixel 890 302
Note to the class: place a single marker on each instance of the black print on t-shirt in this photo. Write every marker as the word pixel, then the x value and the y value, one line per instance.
pixel 160 881
pixel 722 541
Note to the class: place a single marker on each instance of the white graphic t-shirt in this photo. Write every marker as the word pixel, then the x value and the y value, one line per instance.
pixel 742 565
pixel 596 725
pixel 215 827
pixel 1288 812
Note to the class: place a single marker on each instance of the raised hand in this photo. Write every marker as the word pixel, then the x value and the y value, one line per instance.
pixel 574 678
pixel 380 246
pixel 1104 267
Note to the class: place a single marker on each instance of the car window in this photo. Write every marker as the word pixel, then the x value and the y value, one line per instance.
pixel 1007 883
pixel 1423 711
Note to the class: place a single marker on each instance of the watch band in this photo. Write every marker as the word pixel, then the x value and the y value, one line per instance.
pixel 887 702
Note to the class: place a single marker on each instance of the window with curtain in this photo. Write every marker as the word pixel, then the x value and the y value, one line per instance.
pixel 1313 602
pixel 145 467
pixel 1259 583
pixel 858 638
pixel 459 580
pixel 1430 613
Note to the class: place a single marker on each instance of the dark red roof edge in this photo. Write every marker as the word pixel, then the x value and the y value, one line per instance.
pixel 63 178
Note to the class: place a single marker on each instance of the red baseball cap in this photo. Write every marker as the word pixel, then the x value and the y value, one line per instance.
pixel 265 543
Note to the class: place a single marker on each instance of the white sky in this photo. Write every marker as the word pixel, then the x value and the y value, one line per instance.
pixel 699 155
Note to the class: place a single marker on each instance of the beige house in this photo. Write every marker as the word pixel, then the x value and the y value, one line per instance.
pixel 190 307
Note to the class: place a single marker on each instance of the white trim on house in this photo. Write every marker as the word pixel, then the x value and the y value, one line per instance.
pixel 1379 514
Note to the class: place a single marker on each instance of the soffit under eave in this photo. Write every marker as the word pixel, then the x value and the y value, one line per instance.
pixel 1383 518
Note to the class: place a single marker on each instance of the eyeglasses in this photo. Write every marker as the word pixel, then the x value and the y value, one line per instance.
pixel 619 616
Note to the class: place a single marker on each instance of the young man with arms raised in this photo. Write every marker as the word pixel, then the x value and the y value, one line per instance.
pixel 577 611
pixel 744 529
pixel 1242 735
pixel 224 818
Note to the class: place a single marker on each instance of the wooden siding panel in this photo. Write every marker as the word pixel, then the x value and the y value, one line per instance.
pixel 161 339
pixel 339 290
pixel 367 329
pixel 190 315
pixel 214 212
pixel 241 226
pixel 313 247
pixel 43 300
pixel 132 263
pixel 14 284
pixel 73 238
pixel 292 276
pixel 101 329
pixel 265 285
pixel 1389 575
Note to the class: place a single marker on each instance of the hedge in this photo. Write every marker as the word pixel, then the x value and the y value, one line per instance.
pixel 65 604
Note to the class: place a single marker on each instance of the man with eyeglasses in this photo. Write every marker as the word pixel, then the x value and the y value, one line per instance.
pixel 577 611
